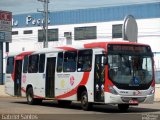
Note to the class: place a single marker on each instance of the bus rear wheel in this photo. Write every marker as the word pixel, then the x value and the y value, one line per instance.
pixel 123 107
pixel 30 96
pixel 84 101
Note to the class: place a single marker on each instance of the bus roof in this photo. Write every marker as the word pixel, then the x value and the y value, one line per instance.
pixel 76 47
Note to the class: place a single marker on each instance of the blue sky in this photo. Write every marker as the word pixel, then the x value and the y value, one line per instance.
pixel 31 6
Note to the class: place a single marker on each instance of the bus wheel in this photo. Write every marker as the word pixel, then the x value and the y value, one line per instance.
pixel 30 98
pixel 84 101
pixel 123 107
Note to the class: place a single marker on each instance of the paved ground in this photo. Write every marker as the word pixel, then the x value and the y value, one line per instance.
pixel 2 91
pixel 9 107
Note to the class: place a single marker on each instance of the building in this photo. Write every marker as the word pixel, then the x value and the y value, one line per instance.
pixel 87 25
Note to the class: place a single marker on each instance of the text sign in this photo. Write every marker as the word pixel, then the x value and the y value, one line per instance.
pixel 129 48
pixel 5 21
pixel 2 36
pixel 5 36
pixel 5 26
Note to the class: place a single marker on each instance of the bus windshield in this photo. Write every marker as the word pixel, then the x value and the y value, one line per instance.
pixel 130 71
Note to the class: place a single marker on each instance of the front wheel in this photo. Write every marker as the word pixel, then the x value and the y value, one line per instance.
pixel 84 101
pixel 123 107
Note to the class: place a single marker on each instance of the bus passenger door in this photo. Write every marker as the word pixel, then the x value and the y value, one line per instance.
pixel 50 77
pixel 99 79
pixel 17 81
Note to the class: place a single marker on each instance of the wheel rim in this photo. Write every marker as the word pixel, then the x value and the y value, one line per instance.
pixel 84 100
pixel 29 97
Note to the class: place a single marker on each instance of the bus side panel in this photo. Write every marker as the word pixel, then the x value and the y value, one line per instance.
pixel 90 86
pixel 36 80
pixel 9 84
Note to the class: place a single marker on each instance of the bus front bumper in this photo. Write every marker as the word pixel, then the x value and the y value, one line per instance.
pixel 119 99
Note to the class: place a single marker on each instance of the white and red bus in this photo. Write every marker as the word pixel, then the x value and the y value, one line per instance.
pixel 119 73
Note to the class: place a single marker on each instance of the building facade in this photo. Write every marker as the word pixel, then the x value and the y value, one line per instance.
pixel 87 25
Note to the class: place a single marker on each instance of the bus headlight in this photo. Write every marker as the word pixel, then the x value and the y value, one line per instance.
pixel 152 91
pixel 112 90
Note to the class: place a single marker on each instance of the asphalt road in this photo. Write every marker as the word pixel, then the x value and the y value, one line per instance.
pixel 12 108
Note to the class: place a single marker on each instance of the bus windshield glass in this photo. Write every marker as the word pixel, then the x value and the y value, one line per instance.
pixel 131 69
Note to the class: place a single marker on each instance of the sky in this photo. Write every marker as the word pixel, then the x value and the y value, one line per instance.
pixel 31 6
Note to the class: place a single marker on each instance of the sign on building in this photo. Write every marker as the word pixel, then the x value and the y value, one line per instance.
pixel 5 26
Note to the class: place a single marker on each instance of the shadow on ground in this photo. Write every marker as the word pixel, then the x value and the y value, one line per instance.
pixel 96 108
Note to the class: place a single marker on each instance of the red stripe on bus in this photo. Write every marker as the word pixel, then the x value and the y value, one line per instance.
pixel 107 81
pixel 74 90
pixel 19 57
pixel 67 48
pixel 96 45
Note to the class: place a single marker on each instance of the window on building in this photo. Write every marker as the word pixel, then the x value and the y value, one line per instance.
pixel 41 63
pixel 60 62
pixel 27 32
pixel 33 64
pixel 70 59
pixel 83 33
pixel 52 35
pixel 84 60
pixel 10 65
pixel 14 32
pixel 117 31
pixel 25 64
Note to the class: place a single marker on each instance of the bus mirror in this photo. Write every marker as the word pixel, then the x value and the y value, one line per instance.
pixel 104 60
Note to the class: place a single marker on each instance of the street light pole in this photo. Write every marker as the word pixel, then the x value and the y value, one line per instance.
pixel 45 27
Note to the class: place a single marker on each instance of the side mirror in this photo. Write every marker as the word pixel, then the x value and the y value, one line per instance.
pixel 104 60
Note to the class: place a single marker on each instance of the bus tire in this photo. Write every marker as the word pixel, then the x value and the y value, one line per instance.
pixel 84 101
pixel 123 107
pixel 30 96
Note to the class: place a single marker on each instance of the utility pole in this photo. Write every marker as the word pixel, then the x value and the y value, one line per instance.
pixel 45 24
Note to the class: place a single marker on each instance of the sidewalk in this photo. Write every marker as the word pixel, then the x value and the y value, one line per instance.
pixel 2 92
pixel 157 93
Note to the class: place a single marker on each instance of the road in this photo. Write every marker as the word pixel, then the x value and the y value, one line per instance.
pixel 17 108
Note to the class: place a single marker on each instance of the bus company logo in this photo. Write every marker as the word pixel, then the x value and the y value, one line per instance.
pixel 137 92
pixel 24 78
pixel 72 80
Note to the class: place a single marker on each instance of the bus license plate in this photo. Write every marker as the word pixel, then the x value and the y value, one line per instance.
pixel 133 102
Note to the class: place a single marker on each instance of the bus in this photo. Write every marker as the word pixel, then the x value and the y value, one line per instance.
pixel 118 73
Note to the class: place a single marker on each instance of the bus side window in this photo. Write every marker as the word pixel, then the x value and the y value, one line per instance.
pixel 33 64
pixel 84 60
pixel 10 65
pixel 25 65
pixel 41 63
pixel 60 62
pixel 70 60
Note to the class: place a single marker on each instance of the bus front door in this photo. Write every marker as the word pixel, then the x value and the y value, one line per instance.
pixel 99 79
pixel 50 77
pixel 17 80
